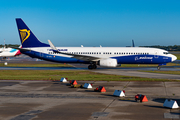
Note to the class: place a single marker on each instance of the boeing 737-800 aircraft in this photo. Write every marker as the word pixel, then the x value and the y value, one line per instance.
pixel 102 56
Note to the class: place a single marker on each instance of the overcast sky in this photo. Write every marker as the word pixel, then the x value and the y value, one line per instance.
pixel 93 22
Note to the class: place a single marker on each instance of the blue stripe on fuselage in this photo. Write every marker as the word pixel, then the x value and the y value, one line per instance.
pixel 142 59
pixel 130 59
pixel 53 58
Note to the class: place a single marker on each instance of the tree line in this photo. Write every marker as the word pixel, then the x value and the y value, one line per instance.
pixel 9 45
pixel 169 48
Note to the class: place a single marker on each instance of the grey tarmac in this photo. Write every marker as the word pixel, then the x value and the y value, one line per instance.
pixel 139 74
pixel 37 100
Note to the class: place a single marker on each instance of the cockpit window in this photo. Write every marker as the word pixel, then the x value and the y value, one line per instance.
pixel 165 53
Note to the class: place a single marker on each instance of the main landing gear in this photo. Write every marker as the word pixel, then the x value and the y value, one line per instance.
pixel 92 66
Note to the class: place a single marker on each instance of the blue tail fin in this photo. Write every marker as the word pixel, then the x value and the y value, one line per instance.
pixel 28 39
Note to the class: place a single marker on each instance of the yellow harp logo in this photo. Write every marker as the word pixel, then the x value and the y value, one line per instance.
pixel 24 34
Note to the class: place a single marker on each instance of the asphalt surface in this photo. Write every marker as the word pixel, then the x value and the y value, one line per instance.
pixel 139 74
pixel 47 100
pixel 37 100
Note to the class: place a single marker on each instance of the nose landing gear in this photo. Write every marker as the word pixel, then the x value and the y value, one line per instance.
pixel 158 67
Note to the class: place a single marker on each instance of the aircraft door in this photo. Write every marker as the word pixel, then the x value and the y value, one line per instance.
pixel 156 54
pixel 41 53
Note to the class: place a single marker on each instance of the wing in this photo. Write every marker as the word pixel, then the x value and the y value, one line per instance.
pixel 80 57
pixel 21 49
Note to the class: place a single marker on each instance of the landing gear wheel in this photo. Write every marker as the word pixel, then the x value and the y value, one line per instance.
pixel 158 67
pixel 92 66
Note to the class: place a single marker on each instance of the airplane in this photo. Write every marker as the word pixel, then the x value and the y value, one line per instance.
pixel 102 56
pixel 9 52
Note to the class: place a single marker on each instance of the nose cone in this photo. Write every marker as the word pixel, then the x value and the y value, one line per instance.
pixel 173 58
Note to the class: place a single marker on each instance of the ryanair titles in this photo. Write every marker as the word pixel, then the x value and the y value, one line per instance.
pixel 58 49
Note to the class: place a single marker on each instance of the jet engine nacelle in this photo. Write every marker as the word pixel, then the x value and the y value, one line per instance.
pixel 108 62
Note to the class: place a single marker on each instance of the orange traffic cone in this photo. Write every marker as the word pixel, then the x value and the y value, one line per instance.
pixel 103 89
pixel 74 83
pixel 144 98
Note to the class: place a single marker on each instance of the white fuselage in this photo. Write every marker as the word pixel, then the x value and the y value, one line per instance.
pixel 123 55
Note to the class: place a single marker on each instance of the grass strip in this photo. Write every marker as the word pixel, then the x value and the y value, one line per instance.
pixel 147 65
pixel 33 65
pixel 70 74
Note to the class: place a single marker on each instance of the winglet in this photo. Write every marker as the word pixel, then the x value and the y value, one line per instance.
pixel 52 46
